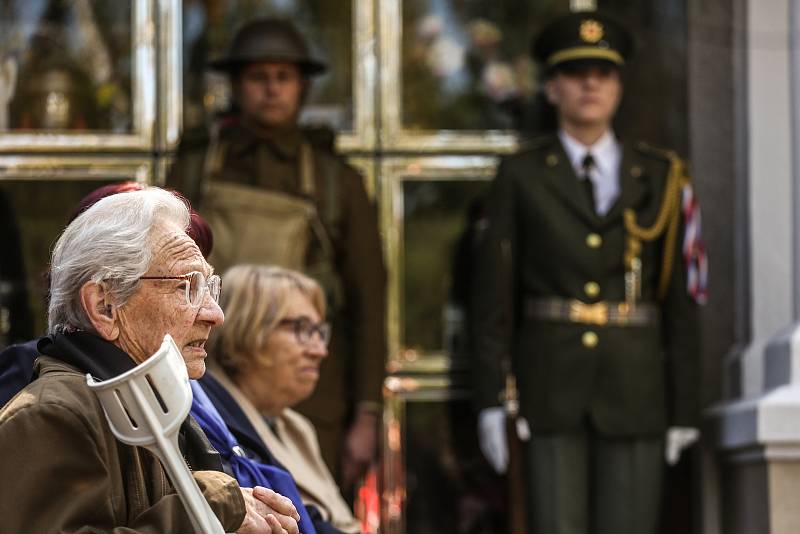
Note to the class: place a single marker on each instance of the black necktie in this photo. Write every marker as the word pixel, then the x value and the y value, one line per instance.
pixel 586 166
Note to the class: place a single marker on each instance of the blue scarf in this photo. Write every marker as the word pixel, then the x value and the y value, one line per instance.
pixel 248 472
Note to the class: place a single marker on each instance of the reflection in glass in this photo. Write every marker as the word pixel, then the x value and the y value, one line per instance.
pixel 209 25
pixel 436 240
pixel 43 209
pixel 655 105
pixel 465 65
pixel 65 65
pixel 450 488
pixel 14 316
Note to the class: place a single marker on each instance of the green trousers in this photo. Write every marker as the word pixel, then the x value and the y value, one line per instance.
pixel 585 483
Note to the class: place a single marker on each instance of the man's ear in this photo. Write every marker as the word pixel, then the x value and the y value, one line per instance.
pixel 100 310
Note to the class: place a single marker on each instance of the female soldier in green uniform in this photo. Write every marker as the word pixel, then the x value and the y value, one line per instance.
pixel 589 278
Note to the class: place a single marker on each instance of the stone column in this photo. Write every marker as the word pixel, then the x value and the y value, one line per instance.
pixel 757 431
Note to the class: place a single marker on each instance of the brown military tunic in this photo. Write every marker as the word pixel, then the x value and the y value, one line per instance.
pixel 269 159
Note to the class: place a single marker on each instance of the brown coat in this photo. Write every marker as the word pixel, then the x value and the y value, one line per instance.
pixel 63 470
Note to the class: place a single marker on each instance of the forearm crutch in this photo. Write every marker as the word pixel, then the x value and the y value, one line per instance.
pixel 145 407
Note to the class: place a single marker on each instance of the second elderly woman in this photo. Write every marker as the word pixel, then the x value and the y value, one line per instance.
pixel 264 360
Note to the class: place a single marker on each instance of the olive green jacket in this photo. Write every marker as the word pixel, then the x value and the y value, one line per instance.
pixel 630 380
pixel 63 470
pixel 354 370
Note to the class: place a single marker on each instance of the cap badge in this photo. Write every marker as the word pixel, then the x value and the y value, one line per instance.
pixel 591 31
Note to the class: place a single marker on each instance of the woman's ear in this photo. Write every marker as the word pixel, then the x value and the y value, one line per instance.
pixel 100 310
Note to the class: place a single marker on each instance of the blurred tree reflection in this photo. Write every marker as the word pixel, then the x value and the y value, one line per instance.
pixel 466 64
pixel 66 65
pixel 433 221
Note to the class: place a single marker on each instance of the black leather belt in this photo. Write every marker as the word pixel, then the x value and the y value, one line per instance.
pixel 600 314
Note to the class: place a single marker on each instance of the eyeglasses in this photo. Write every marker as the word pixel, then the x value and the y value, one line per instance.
pixel 304 330
pixel 195 286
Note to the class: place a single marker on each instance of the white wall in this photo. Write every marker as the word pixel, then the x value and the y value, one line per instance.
pixel 770 129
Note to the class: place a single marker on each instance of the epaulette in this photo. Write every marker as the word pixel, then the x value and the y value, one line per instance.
pixel 321 137
pixel 667 155
pixel 660 153
pixel 199 137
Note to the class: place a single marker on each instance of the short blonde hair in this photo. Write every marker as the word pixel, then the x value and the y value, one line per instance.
pixel 255 299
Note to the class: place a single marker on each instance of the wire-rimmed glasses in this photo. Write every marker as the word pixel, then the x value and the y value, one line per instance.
pixel 196 285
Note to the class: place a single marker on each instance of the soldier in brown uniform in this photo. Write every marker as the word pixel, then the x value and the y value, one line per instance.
pixel 273 194
pixel 587 283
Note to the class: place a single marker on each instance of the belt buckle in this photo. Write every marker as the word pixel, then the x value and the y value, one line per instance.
pixel 596 314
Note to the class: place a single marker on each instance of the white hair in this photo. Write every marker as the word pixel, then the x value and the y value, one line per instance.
pixel 107 243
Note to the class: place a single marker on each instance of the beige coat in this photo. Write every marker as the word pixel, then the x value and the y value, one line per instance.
pixel 62 470
pixel 298 450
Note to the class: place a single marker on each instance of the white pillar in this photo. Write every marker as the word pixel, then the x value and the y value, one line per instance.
pixel 770 115
pixel 759 433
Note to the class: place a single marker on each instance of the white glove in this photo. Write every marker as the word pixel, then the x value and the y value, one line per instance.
pixel 492 437
pixel 678 439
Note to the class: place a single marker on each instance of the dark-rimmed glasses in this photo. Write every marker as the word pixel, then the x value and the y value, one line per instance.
pixel 304 329
pixel 196 285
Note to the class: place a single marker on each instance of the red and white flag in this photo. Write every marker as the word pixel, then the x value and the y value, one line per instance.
pixel 694 249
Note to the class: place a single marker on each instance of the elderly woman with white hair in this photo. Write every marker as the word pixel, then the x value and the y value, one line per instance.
pixel 266 359
pixel 124 274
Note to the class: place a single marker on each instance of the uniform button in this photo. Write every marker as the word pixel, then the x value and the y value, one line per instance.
pixel 589 339
pixel 592 289
pixel 594 241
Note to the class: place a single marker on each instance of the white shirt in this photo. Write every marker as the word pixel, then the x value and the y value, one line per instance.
pixel 607 154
